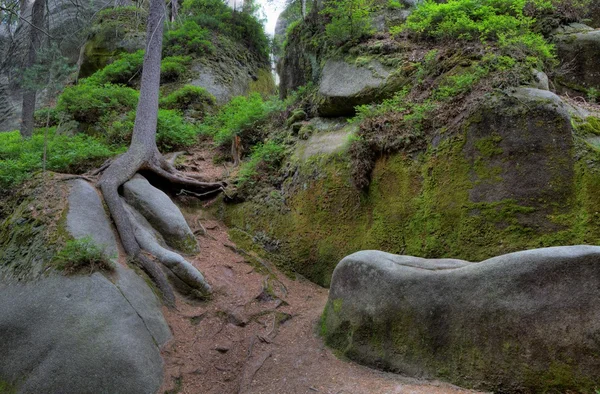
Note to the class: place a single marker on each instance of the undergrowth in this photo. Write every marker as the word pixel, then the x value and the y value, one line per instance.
pixel 20 158
pixel 82 256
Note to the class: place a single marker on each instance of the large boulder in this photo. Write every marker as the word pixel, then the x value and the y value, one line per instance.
pixel 75 335
pixel 526 322
pixel 161 212
pixel 78 334
pixel 578 48
pixel 344 85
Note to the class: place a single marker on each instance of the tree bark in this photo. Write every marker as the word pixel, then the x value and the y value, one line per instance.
pixel 29 92
pixel 144 155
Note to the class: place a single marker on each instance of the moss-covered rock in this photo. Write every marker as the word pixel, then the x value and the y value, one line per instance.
pixel 115 31
pixel 516 176
pixel 516 323
pixel 580 50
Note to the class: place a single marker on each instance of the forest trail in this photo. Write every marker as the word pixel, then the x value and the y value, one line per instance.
pixel 259 332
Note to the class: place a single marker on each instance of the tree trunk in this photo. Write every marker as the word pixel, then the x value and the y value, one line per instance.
pixel 144 155
pixel 29 92
pixel 174 10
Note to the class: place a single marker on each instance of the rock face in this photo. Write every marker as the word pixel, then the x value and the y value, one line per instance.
pixel 344 86
pixel 162 214
pixel 580 50
pixel 232 71
pixel 79 334
pixel 519 173
pixel 523 322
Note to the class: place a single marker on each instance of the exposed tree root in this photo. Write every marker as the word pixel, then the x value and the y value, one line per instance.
pixel 119 172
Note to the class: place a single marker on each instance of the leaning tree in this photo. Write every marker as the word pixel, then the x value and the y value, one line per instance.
pixel 143 155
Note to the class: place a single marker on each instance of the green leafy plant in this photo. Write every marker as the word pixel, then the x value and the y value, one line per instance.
pixel 593 94
pixel 172 131
pixel 502 21
pixel 82 256
pixel 187 97
pixel 174 68
pixel 461 83
pixel 121 71
pixel 20 158
pixel 263 157
pixel 239 115
pixel 188 38
pixel 87 103
pixel 350 19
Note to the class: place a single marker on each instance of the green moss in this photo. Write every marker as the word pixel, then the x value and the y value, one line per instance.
pixel 591 126
pixel 337 305
pixel 263 84
pixel 187 244
pixel 7 388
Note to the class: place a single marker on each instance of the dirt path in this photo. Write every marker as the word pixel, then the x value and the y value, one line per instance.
pixel 259 333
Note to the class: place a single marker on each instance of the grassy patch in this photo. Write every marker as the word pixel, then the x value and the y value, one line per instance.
pixel 82 256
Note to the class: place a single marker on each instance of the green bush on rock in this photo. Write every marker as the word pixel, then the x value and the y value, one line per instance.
pixel 241 114
pixel 502 21
pixel 186 97
pixel 82 256
pixel 87 103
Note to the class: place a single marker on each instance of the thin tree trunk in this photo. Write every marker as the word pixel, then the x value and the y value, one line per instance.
pixel 29 92
pixel 174 10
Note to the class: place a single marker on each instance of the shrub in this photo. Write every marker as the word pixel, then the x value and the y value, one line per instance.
pixel 172 131
pixel 19 157
pixel 121 71
pixel 128 68
pixel 124 15
pixel 263 158
pixel 189 38
pixel 239 115
pixel 503 21
pixel 350 20
pixel 87 103
pixel 186 97
pixel 173 68
pixel 82 256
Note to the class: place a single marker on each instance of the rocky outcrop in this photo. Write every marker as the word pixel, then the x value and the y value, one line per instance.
pixel 162 214
pixel 232 70
pixel 524 322
pixel 344 86
pixel 578 47
pixel 520 172
pixel 88 333
pixel 113 33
